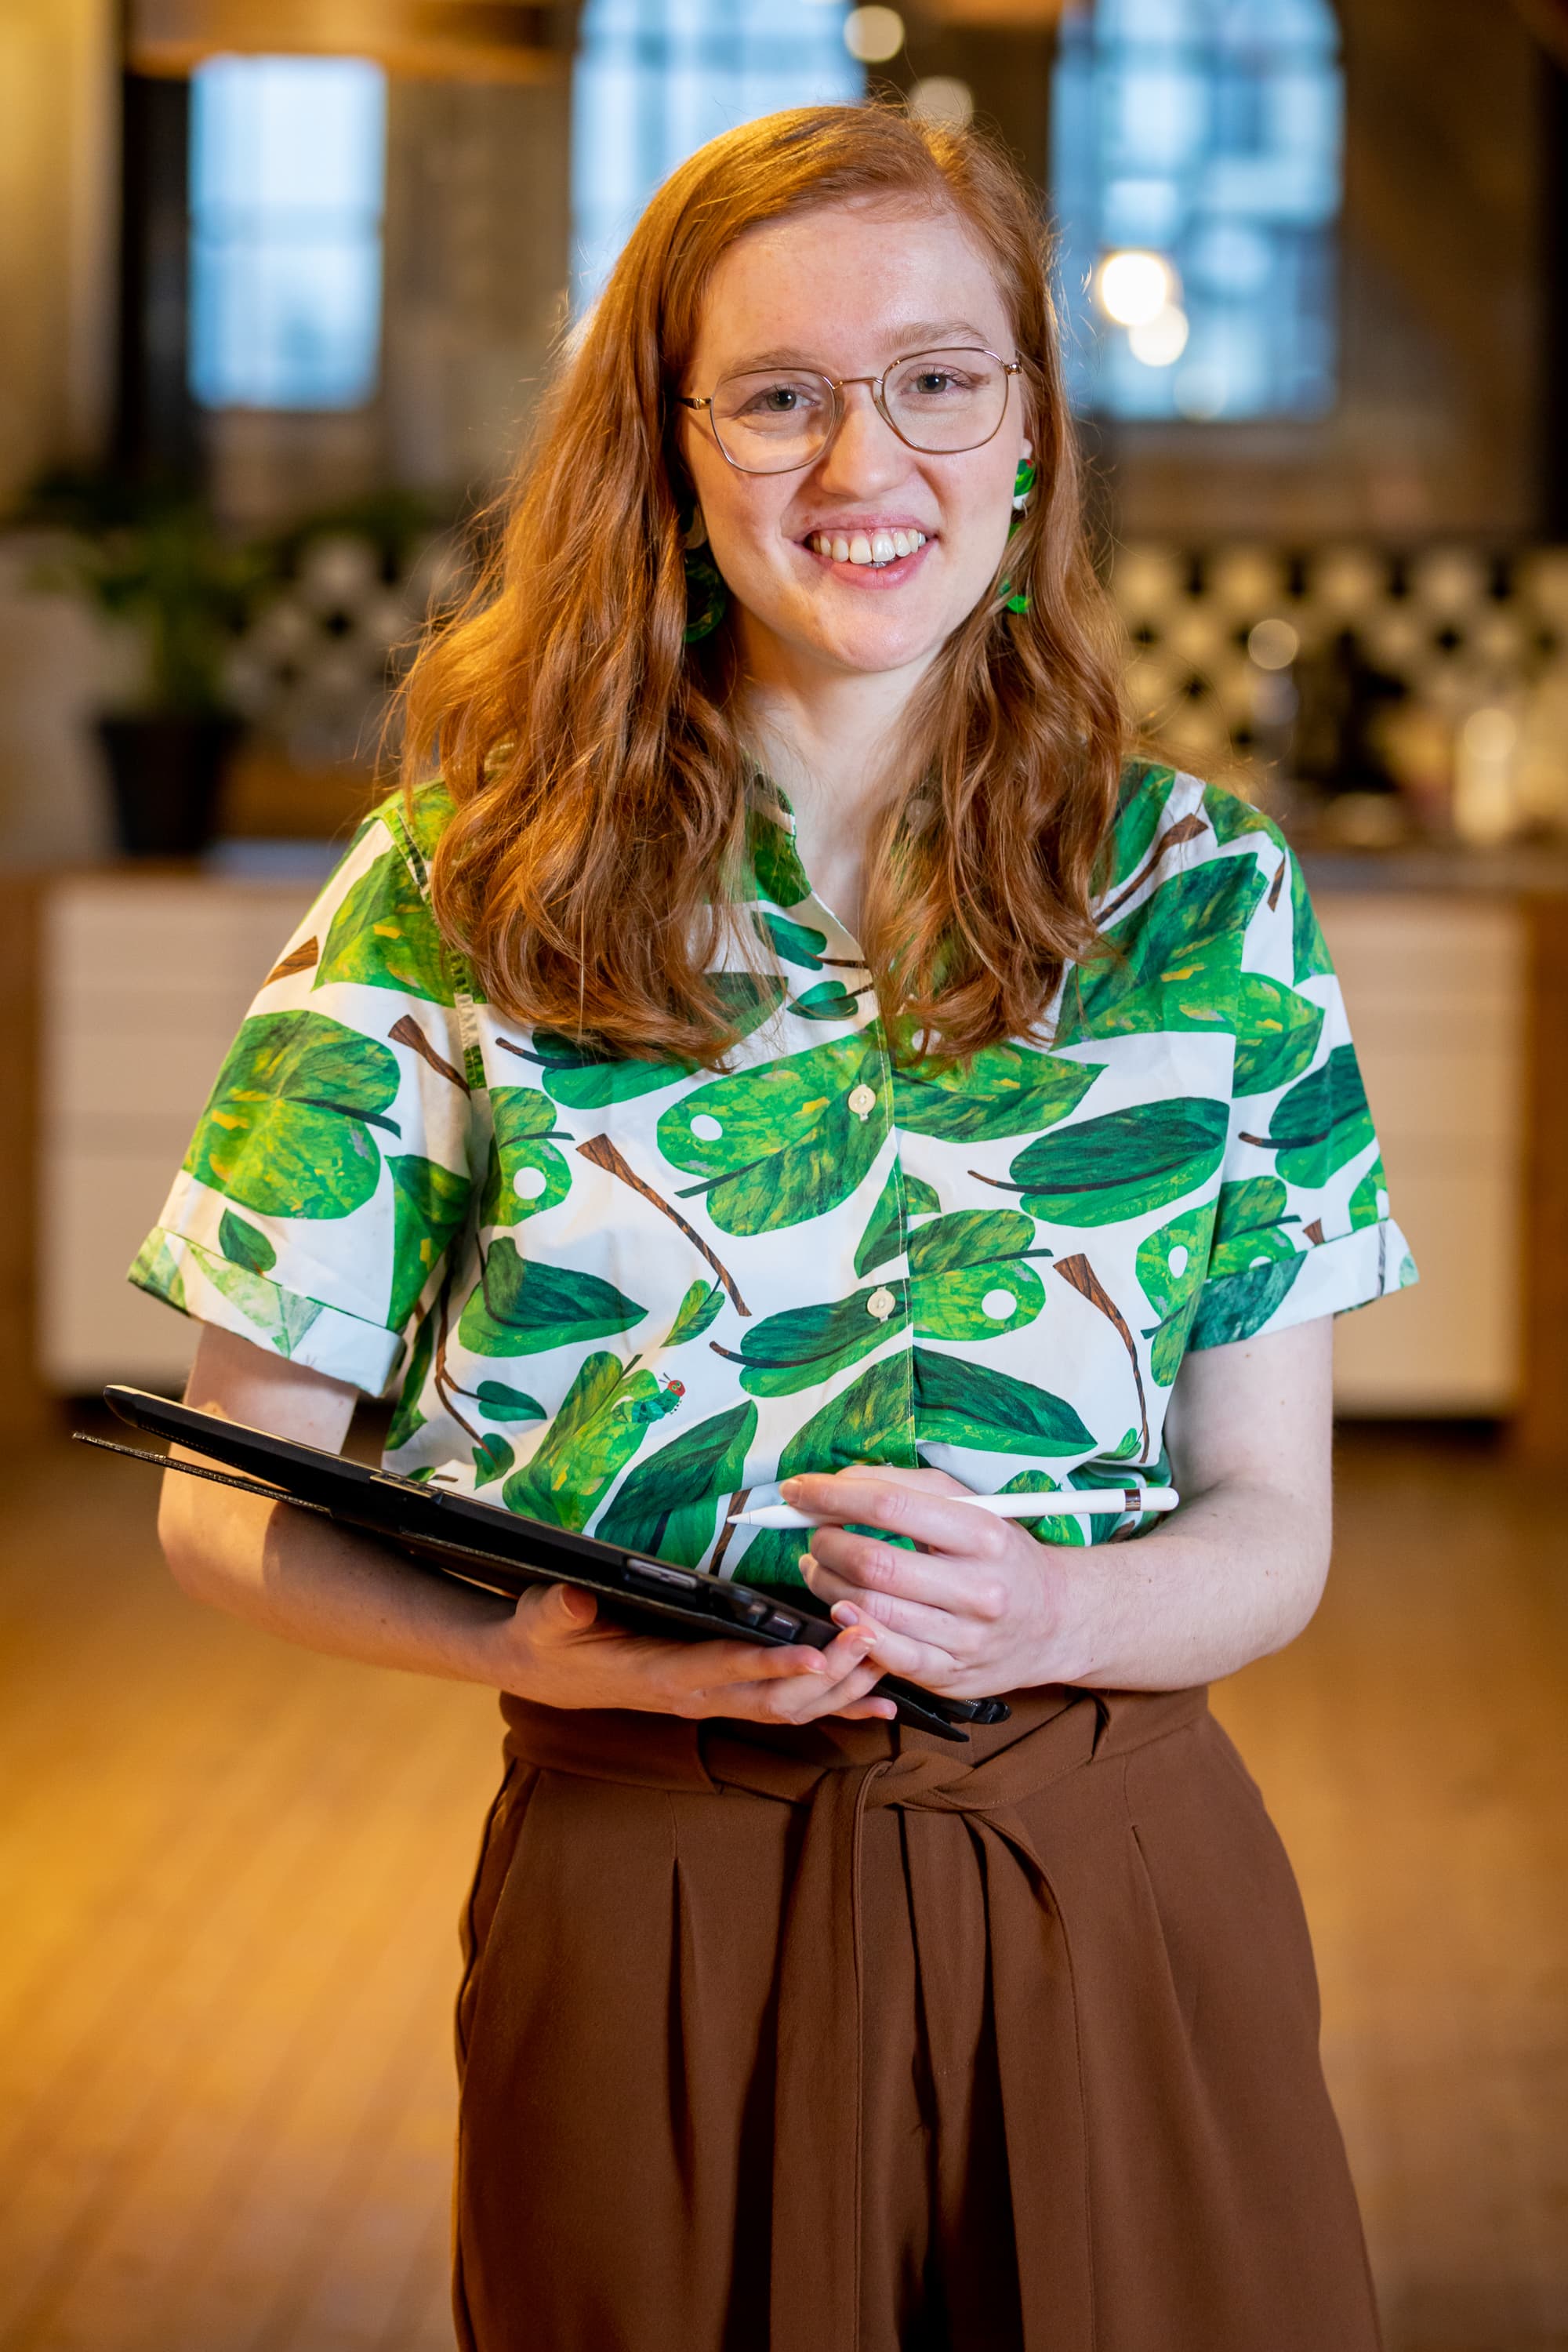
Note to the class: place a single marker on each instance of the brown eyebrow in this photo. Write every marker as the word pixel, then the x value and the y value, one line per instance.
pixel 923 336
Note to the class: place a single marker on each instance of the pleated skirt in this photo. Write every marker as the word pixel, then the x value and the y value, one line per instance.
pixel 847 2040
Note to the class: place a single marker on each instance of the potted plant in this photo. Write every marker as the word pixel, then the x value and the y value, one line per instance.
pixel 153 557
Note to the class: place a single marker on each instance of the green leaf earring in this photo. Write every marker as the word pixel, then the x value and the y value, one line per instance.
pixel 707 598
pixel 1022 483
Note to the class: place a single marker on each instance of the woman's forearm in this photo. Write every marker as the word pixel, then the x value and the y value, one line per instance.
pixel 1233 1575
pixel 323 1586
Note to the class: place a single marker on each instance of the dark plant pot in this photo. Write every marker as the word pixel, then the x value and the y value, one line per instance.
pixel 165 769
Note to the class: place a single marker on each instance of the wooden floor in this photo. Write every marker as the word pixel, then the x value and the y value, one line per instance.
pixel 229 1874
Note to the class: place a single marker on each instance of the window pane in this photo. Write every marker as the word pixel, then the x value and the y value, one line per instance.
pixel 1207 131
pixel 288 176
pixel 655 79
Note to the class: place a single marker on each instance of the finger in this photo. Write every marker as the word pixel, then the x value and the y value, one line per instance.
pixel 928 1663
pixel 943 1524
pixel 801 1700
pixel 553 1612
pixel 729 1665
pixel 920 1593
pixel 881 1709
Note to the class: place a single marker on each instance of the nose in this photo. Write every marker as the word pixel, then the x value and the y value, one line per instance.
pixel 864 455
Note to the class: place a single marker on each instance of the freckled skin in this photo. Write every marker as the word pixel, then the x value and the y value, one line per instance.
pixel 843 287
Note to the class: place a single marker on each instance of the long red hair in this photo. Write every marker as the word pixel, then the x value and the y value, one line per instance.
pixel 598 762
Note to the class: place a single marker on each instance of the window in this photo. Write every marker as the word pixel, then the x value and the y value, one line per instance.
pixel 657 79
pixel 1196 180
pixel 287 173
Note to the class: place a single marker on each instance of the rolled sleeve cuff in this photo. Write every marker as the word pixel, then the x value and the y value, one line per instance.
pixel 1330 1280
pixel 198 1282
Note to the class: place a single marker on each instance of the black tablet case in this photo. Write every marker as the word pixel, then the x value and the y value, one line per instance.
pixel 499 1551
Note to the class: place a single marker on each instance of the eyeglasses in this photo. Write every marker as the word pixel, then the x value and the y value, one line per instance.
pixel 775 420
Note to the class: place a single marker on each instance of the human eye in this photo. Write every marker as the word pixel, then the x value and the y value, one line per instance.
pixel 768 400
pixel 937 377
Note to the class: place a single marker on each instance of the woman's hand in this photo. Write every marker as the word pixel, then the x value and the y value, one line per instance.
pixel 981 1608
pixel 556 1650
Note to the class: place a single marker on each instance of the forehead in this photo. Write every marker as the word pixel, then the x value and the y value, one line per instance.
pixel 849 284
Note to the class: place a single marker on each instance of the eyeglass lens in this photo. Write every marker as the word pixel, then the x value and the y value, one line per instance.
pixel 770 420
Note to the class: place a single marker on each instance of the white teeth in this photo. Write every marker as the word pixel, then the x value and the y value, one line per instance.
pixel 868 547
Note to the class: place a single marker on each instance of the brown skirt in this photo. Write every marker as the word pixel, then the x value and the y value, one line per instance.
pixel 845 2040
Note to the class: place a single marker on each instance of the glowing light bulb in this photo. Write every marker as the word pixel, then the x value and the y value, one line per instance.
pixel 1159 341
pixel 873 35
pixel 1135 286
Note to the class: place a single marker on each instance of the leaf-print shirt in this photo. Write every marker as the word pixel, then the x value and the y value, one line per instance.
pixel 614 1294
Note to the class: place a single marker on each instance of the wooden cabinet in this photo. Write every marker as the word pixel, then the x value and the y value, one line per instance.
pixel 144 983
pixel 1436 989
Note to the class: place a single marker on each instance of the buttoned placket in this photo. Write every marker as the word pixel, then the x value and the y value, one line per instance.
pixel 862 1102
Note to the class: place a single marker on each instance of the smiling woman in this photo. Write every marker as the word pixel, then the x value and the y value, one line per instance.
pixel 790 1054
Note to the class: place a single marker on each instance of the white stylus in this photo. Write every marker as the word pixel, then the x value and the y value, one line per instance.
pixel 1086 1500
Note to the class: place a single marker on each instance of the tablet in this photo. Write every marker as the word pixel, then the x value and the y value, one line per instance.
pixel 500 1551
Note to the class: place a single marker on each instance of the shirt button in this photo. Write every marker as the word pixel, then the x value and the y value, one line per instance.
pixel 880 1303
pixel 863 1101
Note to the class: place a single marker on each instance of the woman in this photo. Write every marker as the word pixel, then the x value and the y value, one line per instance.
pixel 791 1052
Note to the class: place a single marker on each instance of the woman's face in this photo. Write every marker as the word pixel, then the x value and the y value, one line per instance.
pixel 844 290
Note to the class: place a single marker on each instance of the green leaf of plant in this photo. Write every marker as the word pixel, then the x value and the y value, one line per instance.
pixel 1143 794
pixel 1231 816
pixel 429 1202
pixel 1322 1122
pixel 244 1245
pixel 1308 947
pixel 1171 1264
pixel 1249 1229
pixel 828 1001
pixel 968 1279
pixel 1369 1201
pixel 1277 1034
pixel 604 1417
pixel 669 1504
pixel 526 1173
pixel 778 1144
pixel 520 1308
pixel 493 1457
pixel 780 875
pixel 806 1345
pixel 884 1235
pixel 961 1403
pixel 579 1072
pixel 869 1421
pixel 407 1419
pixel 278 1318
pixel 1004 1091
pixel 1107 1170
pixel 696 1311
pixel 1176 961
pixel 501 1403
pixel 791 942
pixel 1241 1304
pixel 385 936
pixel 287 1131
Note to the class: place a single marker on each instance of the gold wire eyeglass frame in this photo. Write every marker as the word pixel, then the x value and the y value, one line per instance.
pixel 838 386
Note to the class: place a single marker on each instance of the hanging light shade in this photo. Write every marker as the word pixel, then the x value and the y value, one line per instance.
pixel 447 40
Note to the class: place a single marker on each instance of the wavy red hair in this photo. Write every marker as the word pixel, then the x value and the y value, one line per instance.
pixel 598 763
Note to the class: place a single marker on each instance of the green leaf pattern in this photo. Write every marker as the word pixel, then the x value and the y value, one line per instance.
pixel 616 1293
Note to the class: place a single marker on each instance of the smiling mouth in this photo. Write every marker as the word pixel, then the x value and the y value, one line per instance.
pixel 876 549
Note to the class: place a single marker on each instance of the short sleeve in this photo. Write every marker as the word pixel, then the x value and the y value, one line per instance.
pixel 1303 1226
pixel 332 1167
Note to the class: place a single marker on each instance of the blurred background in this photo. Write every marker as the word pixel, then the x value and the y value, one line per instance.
pixel 280 283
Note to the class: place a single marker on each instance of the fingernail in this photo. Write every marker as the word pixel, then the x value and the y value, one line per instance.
pixel 807 1563
pixel 789 1489
pixel 846 1613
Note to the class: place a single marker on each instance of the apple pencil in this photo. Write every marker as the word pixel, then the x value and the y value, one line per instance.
pixel 1111 1501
